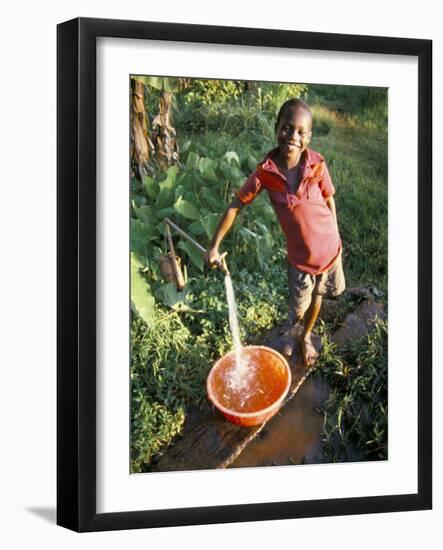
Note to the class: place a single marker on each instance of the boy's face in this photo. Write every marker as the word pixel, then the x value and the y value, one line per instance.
pixel 294 132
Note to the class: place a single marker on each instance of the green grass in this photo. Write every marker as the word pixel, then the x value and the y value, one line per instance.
pixel 170 360
pixel 355 411
pixel 357 160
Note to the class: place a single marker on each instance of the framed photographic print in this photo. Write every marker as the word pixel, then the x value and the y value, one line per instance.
pixel 293 379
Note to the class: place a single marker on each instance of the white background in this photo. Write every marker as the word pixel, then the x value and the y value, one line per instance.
pixel 27 218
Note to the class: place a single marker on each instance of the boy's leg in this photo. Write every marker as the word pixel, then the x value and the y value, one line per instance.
pixel 301 286
pixel 331 282
pixel 308 350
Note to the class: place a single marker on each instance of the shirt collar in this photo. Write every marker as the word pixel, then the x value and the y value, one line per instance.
pixel 269 165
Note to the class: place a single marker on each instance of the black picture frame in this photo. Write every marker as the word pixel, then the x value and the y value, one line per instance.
pixel 76 273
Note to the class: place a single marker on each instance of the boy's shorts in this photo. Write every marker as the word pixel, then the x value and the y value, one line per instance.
pixel 301 286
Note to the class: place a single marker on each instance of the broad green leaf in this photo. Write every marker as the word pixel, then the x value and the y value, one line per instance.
pixel 134 185
pixel 267 237
pixel 168 181
pixel 142 248
pixel 231 172
pixel 152 189
pixel 141 234
pixel 139 200
pixel 261 226
pixel 188 181
pixel 230 157
pixel 179 192
pixel 207 168
pixel 194 254
pixel 197 181
pixel 181 179
pixel 248 234
pixel 161 228
pixel 176 300
pixel 191 197
pixel 213 197
pixel 185 147
pixel 217 205
pixel 264 251
pixel 165 198
pixel 186 209
pixel 142 301
pixel 144 213
pixel 226 170
pixel 211 191
pixel 196 228
pixel 191 161
pixel 165 213
pixel 169 294
pixel 210 223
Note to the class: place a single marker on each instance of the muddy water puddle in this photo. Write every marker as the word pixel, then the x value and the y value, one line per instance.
pixel 293 435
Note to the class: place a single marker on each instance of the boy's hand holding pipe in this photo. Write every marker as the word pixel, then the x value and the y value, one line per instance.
pixel 212 258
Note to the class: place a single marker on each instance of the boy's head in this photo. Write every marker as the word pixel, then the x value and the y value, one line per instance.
pixel 293 127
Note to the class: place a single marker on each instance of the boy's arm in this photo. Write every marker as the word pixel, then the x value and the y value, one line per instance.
pixel 331 205
pixel 245 195
pixel 212 256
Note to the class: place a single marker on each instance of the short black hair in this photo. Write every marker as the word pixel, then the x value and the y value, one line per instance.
pixel 293 103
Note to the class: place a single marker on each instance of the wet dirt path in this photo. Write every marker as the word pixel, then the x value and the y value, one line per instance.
pixel 292 435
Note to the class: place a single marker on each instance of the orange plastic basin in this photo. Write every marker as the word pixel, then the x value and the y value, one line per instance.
pixel 266 382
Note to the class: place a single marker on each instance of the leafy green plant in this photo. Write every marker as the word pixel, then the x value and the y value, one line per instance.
pixel 194 197
pixel 355 413
pixel 142 301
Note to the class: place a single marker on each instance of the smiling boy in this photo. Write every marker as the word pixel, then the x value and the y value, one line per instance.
pixel 301 192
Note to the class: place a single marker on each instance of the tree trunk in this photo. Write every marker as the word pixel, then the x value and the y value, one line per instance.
pixel 165 137
pixel 140 142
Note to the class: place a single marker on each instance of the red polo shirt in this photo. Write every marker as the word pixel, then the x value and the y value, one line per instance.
pixel 312 239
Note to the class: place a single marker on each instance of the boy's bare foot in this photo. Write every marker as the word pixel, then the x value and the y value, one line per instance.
pixel 309 353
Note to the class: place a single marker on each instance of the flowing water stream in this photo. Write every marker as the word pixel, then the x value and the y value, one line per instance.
pixel 251 380
pixel 239 376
